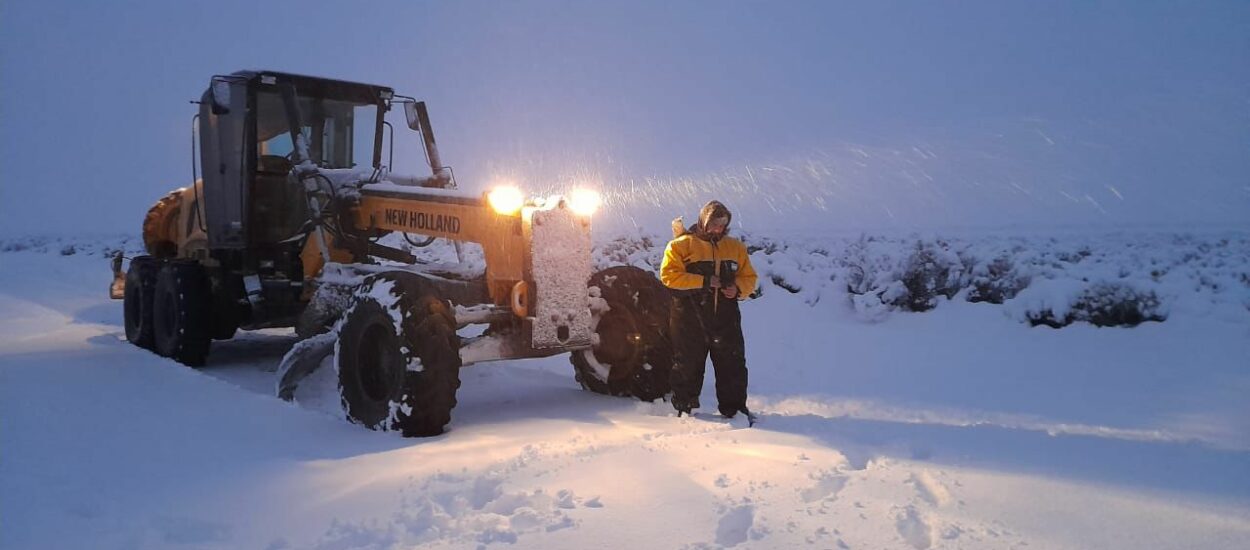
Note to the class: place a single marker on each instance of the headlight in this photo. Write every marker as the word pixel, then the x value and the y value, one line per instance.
pixel 506 200
pixel 584 202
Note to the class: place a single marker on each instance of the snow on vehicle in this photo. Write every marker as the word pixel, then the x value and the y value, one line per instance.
pixel 283 231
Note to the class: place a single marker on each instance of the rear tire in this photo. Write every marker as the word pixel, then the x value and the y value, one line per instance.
pixel 632 337
pixel 403 375
pixel 137 301
pixel 181 311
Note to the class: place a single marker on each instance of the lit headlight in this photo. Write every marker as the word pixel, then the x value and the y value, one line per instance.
pixel 506 200
pixel 584 202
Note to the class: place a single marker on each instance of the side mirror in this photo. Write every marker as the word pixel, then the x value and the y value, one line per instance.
pixel 220 92
pixel 410 112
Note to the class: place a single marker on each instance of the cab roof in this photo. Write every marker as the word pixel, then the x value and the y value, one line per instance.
pixel 316 86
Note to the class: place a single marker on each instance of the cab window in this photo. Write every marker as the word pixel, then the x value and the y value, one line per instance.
pixel 339 134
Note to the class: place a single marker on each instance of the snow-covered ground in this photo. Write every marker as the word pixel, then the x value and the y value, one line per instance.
pixel 959 427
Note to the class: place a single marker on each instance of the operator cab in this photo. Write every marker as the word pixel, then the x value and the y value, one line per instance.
pixel 254 128
pixel 251 138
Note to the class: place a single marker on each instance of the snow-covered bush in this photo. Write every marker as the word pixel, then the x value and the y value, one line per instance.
pixel 1059 303
pixel 995 281
pixel 804 270
pixel 1118 304
pixel 930 272
pixel 868 271
pixel 642 251
pixel 1106 280
pixel 104 246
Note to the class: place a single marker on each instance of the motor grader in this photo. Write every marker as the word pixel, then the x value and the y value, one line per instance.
pixel 285 229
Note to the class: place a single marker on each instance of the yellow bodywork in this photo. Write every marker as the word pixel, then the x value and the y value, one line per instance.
pixel 173 228
pixel 500 235
pixel 174 225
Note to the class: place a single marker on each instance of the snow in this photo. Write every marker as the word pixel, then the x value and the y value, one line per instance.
pixel 962 426
pixel 392 187
pixel 383 292
pixel 560 242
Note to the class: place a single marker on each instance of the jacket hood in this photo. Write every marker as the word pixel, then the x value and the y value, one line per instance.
pixel 711 210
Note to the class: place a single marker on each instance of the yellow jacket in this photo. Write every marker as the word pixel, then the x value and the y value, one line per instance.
pixel 690 263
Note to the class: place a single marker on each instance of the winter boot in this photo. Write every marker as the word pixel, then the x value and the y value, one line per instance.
pixel 683 406
pixel 750 417
pixel 730 413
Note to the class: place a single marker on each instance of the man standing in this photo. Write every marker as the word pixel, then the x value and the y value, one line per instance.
pixel 708 273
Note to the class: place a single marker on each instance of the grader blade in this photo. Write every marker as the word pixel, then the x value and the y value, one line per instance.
pixel 303 360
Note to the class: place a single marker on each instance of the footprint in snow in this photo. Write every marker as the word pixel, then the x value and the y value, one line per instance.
pixel 827 485
pixel 914 528
pixel 735 526
pixel 929 489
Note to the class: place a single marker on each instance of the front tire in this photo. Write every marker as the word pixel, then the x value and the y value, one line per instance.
pixel 137 301
pixel 398 357
pixel 632 344
pixel 181 313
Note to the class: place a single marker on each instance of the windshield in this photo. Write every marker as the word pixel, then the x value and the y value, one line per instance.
pixel 340 134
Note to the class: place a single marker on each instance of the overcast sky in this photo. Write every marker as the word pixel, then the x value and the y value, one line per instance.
pixel 799 114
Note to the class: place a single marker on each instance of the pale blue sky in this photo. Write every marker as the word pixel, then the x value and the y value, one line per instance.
pixel 895 114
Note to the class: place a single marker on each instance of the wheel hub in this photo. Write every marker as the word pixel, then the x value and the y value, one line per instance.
pixel 378 357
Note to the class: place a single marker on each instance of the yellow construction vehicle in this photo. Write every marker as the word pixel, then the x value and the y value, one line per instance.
pixel 283 230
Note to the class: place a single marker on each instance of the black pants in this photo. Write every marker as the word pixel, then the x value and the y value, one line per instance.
pixel 700 327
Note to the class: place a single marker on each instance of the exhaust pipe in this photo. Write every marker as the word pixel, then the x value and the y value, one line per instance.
pixel 427 135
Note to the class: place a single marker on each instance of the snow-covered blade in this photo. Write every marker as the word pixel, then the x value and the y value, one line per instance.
pixel 560 263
